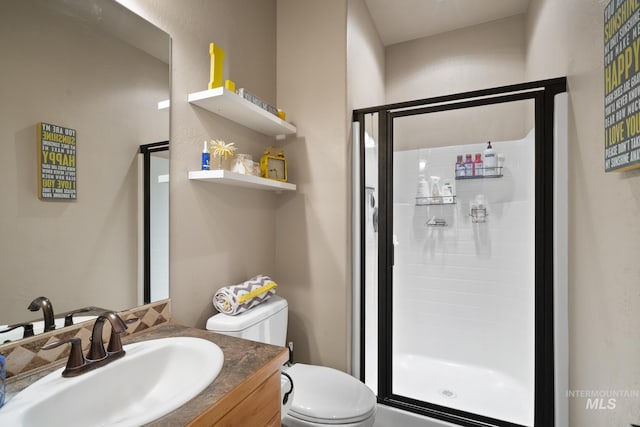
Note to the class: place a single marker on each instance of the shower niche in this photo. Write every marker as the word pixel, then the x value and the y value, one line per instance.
pixel 457 277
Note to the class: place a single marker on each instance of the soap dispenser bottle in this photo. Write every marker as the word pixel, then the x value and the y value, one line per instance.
pixel 490 161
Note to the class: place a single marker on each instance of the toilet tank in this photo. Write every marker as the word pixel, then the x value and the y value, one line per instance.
pixel 265 323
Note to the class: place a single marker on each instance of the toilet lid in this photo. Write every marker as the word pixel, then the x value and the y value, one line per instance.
pixel 329 396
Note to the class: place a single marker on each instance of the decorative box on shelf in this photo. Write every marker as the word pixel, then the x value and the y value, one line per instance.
pixel 258 101
pixel 234 107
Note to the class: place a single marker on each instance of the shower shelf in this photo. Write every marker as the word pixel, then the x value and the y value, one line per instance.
pixel 497 175
pixel 435 200
pixel 436 222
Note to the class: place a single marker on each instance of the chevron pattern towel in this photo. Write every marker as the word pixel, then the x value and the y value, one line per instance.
pixel 236 299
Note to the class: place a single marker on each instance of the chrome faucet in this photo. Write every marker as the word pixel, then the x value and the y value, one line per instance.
pixel 47 311
pixel 97 356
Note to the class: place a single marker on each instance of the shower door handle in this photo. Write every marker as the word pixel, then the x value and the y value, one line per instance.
pixel 375 220
pixel 394 242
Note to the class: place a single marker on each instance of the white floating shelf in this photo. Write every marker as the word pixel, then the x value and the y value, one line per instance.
pixel 231 178
pixel 232 106
pixel 164 105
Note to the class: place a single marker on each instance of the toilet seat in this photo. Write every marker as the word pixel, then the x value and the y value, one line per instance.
pixel 328 396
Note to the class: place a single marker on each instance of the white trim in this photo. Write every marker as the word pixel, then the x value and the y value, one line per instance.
pixel 140 233
pixel 561 258
pixel 356 297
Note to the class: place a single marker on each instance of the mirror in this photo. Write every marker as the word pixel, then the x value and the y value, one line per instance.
pixel 95 67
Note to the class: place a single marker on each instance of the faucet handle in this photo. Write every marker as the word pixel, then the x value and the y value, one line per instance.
pixel 68 319
pixel 76 358
pixel 115 344
pixel 28 329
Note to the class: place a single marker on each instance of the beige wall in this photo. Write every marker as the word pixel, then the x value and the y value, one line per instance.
pixel 223 235
pixel 478 57
pixel 219 235
pixel 365 59
pixel 365 88
pixel 565 38
pixel 313 245
pixel 55 70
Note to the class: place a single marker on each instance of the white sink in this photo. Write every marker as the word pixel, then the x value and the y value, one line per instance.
pixel 38 328
pixel 152 379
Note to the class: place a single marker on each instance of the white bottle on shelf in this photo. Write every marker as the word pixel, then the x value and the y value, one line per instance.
pixel 423 187
pixel 490 161
pixel 447 192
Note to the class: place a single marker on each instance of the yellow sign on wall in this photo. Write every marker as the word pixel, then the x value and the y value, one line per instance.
pixel 56 162
pixel 622 85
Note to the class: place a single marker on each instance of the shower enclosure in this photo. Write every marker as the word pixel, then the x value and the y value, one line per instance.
pixel 456 255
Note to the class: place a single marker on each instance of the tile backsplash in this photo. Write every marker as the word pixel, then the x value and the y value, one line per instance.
pixel 25 356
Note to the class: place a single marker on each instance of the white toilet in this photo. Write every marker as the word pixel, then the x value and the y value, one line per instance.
pixel 321 396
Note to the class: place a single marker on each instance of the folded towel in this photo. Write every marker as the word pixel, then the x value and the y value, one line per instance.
pixel 238 298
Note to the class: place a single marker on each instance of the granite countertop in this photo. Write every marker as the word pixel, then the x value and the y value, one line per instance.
pixel 242 358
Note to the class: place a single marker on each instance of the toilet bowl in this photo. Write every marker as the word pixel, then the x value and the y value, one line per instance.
pixel 325 396
pixel 321 396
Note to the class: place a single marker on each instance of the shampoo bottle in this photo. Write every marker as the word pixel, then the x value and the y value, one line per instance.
pixel 468 166
pixel 459 167
pixel 447 192
pixel 490 161
pixel 478 169
pixel 206 165
pixel 423 187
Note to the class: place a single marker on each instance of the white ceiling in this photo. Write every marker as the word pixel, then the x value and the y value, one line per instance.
pixel 403 20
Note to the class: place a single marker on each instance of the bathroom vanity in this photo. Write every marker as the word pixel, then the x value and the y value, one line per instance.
pixel 245 392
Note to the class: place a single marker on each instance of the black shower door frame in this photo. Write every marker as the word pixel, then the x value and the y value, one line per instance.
pixel 542 93
pixel 147 150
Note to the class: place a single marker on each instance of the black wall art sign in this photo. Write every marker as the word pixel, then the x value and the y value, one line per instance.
pixel 622 85
pixel 56 162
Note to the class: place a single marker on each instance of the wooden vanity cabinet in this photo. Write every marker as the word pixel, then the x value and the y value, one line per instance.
pixel 255 402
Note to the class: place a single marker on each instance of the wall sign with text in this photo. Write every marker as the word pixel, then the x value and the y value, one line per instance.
pixel 56 162
pixel 622 85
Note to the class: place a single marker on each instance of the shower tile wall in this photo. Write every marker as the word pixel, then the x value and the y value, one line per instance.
pixel 465 292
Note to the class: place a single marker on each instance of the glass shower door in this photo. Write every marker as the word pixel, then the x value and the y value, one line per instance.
pixel 463 276
pixel 457 279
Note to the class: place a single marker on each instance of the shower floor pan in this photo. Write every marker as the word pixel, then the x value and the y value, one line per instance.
pixel 468 388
